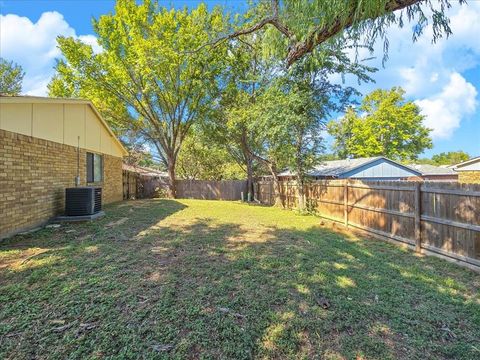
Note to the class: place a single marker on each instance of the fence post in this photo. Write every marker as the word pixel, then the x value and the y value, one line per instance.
pixel 345 203
pixel 418 213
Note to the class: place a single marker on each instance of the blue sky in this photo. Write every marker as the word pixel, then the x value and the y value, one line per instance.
pixel 443 79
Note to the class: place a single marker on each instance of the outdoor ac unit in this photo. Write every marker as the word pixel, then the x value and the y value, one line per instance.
pixel 82 201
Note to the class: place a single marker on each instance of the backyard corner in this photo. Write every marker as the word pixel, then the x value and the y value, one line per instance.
pixel 211 279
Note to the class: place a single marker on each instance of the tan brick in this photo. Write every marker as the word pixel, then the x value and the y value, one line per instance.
pixel 34 174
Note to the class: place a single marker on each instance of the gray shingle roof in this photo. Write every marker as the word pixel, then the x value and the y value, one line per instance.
pixel 426 169
pixel 336 168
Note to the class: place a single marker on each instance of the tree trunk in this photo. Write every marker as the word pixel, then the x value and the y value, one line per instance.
pixel 172 187
pixel 301 193
pixel 300 173
pixel 276 186
pixel 250 190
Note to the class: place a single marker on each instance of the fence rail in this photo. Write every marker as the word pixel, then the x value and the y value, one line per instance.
pixel 137 186
pixel 443 218
pixel 211 190
pixel 130 181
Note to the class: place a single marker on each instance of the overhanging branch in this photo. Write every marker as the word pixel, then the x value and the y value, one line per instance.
pixel 298 49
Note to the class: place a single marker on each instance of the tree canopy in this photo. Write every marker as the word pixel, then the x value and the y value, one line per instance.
pixel 384 125
pixel 148 72
pixel 450 158
pixel 202 159
pixel 211 112
pixel 11 77
pixel 446 158
pixel 296 27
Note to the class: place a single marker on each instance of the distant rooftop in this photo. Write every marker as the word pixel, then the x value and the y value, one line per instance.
pixel 427 169
pixel 336 168
pixel 145 171
pixel 467 162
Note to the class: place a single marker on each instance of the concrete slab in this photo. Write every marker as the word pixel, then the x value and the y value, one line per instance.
pixel 80 218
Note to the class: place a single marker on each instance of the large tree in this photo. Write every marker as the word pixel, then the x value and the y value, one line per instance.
pixel 384 125
pixel 11 77
pixel 149 67
pixel 295 107
pixel 230 126
pixel 450 158
pixel 200 158
pixel 296 27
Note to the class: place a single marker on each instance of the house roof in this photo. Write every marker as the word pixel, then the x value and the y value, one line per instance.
pixel 427 169
pixel 145 171
pixel 465 163
pixel 336 168
pixel 19 99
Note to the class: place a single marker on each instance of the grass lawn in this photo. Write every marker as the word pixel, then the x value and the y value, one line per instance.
pixel 224 280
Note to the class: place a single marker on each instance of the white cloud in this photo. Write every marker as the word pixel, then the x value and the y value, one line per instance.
pixel 432 73
pixel 92 41
pixel 34 46
pixel 445 110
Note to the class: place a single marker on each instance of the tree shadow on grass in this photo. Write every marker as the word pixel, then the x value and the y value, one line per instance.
pixel 229 290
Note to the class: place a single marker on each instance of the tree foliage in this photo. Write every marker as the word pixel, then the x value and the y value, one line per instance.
pixel 11 77
pixel 149 69
pixel 450 158
pixel 384 125
pixel 202 159
pixel 446 158
pixel 294 108
pixel 244 77
pixel 296 27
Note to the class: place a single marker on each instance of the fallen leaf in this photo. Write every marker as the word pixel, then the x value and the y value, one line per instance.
pixel 117 223
pixel 88 326
pixel 234 314
pixel 323 302
pixel 160 347
pixel 64 327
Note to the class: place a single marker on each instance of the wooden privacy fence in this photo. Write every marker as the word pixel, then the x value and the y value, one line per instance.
pixel 138 186
pixel 443 218
pixel 211 190
pixel 130 180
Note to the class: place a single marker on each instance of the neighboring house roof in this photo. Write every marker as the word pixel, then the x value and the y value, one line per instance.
pixel 339 168
pixel 144 171
pixel 468 163
pixel 427 169
pixel 19 99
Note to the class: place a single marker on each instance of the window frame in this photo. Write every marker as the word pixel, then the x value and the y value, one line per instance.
pixel 94 174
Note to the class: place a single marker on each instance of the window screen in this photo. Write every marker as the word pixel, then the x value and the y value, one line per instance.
pixel 97 167
pixel 94 167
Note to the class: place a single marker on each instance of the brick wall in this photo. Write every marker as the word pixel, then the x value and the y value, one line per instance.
pixel 34 174
pixel 469 177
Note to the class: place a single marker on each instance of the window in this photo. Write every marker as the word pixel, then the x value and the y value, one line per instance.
pixel 94 167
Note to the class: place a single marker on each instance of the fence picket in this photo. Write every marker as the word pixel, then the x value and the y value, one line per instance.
pixel 438 217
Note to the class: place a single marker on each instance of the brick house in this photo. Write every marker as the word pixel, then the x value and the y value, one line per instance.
pixel 44 143
pixel 468 171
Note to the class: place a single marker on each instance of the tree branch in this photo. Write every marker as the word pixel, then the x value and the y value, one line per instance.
pixel 273 20
pixel 321 34
pixel 299 49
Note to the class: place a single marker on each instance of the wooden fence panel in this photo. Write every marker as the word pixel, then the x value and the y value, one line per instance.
pixel 439 217
pixel 451 218
pixel 130 183
pixel 264 192
pixel 211 190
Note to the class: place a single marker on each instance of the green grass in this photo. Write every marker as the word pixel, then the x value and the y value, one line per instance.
pixel 223 280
